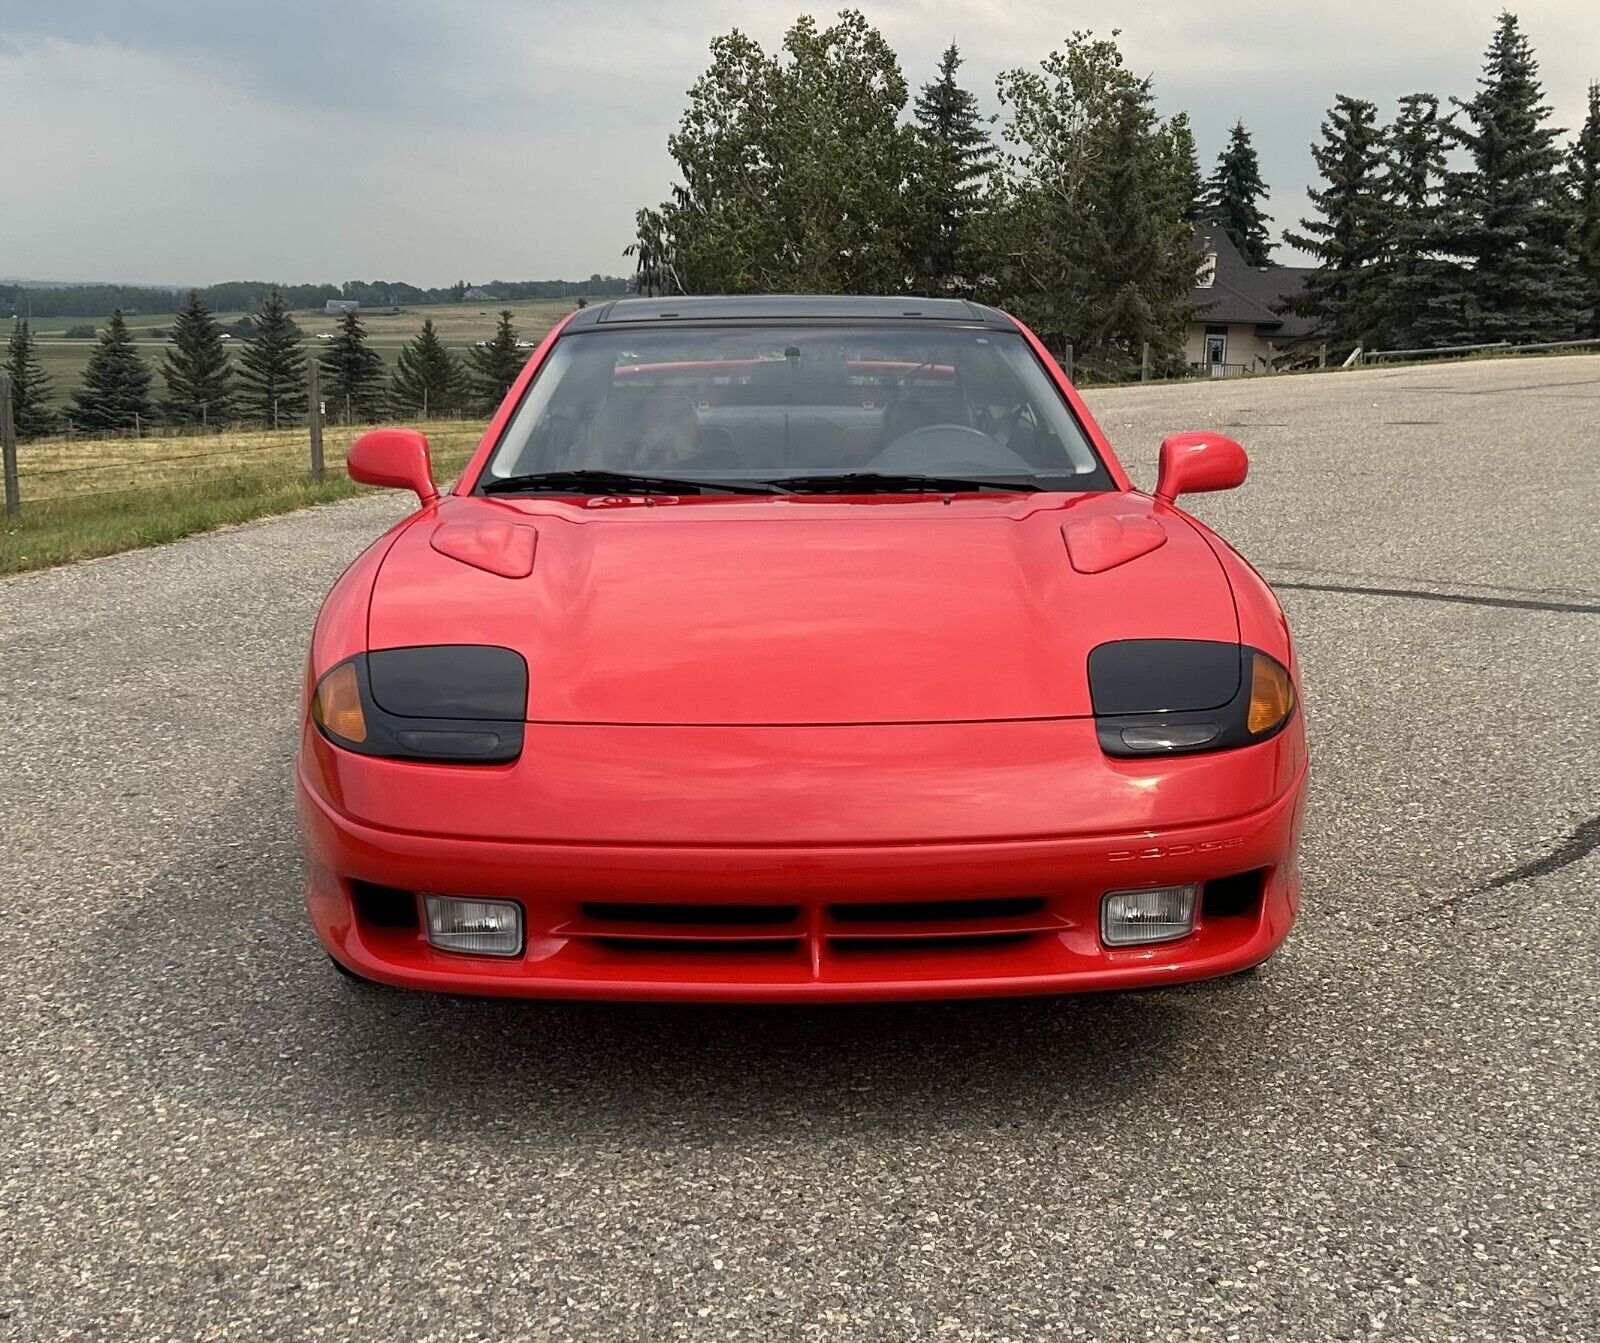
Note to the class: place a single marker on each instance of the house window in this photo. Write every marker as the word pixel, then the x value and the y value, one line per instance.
pixel 1206 276
pixel 1216 346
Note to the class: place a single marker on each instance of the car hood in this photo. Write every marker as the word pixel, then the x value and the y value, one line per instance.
pixel 801 609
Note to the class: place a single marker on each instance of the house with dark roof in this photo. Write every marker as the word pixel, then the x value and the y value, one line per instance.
pixel 1241 323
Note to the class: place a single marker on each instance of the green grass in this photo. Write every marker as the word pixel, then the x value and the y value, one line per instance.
pixel 459 325
pixel 96 497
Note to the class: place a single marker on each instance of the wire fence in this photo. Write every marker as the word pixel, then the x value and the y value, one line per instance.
pixel 238 457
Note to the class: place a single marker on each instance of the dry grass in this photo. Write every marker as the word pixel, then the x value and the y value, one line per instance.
pixel 97 496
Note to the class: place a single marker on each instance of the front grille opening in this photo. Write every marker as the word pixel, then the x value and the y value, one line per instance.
pixel 932 911
pixel 384 906
pixel 740 916
pixel 1232 897
pixel 776 949
pixel 927 946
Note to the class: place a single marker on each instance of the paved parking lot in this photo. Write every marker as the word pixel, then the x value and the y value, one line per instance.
pixel 1391 1132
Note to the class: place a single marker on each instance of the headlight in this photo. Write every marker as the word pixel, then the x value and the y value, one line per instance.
pixel 449 702
pixel 1175 696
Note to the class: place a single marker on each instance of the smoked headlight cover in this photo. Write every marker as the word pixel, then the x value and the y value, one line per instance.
pixel 447 702
pixel 1177 696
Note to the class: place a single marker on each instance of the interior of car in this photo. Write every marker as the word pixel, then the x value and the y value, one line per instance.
pixel 742 403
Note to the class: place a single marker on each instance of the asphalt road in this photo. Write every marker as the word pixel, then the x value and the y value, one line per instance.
pixel 1391 1132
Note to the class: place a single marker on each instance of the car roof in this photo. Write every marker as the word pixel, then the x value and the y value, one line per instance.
pixel 717 310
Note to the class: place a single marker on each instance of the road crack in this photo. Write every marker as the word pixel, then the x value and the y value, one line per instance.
pixel 1461 598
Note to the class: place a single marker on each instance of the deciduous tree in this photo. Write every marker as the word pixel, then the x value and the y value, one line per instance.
pixel 794 170
pixel 1088 240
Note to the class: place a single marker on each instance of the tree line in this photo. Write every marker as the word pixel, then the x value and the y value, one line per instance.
pixel 1456 227
pixel 267 384
pixel 97 300
pixel 814 170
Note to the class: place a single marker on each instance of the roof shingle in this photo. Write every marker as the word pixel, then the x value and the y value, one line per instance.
pixel 1245 293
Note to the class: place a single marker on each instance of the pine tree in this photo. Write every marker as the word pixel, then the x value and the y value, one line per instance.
pixel 957 156
pixel 1194 187
pixel 272 366
pixel 496 363
pixel 428 379
pixel 1585 181
pixel 30 384
pixel 198 375
pixel 1414 280
pixel 352 372
pixel 115 392
pixel 1507 217
pixel 1233 198
pixel 1140 263
pixel 1347 237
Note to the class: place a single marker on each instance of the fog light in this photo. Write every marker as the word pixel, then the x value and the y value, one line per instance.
pixel 481 927
pixel 1156 914
pixel 1172 737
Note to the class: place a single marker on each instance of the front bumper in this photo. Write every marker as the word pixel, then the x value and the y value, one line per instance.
pixel 820 920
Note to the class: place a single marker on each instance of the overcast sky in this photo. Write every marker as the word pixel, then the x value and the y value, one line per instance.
pixel 484 139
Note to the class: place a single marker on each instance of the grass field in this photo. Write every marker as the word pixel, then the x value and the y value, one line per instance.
pixel 459 325
pixel 98 496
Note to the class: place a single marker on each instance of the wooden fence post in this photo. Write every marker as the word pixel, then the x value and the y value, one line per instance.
pixel 1144 362
pixel 1066 360
pixel 314 411
pixel 8 448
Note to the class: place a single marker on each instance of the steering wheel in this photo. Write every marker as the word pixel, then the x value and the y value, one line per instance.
pixel 949 448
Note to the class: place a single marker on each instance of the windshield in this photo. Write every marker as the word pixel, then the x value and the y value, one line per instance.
pixel 791 403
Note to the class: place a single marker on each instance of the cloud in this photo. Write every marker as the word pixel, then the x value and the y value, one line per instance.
pixel 189 142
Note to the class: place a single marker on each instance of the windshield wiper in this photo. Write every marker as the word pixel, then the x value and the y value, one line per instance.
pixel 592 481
pixel 877 482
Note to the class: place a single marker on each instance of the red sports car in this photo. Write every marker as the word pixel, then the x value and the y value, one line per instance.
pixel 799 649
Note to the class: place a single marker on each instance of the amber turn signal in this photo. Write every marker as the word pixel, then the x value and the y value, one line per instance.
pixel 1271 694
pixel 336 707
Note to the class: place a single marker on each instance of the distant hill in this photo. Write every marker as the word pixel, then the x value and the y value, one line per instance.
pixel 22 282
pixel 54 299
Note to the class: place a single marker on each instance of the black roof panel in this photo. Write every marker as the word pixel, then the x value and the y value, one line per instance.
pixel 786 307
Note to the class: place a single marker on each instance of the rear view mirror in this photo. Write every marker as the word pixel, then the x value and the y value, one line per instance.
pixel 1199 462
pixel 395 458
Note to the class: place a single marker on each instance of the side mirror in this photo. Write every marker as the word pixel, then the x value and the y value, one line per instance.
pixel 1197 462
pixel 396 458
